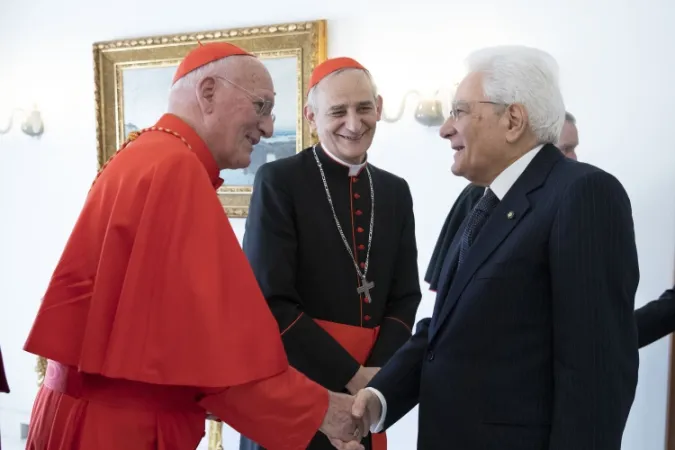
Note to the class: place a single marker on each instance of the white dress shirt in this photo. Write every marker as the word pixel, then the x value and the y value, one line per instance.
pixel 500 186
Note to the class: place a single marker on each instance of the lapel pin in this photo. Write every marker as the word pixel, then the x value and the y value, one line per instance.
pixel 510 215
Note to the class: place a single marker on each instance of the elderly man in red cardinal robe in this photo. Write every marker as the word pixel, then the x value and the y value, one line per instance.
pixel 153 316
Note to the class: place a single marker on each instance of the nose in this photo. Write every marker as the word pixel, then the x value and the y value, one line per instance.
pixel 353 122
pixel 266 126
pixel 448 129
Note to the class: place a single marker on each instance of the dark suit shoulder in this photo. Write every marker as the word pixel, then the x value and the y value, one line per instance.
pixel 573 177
pixel 574 170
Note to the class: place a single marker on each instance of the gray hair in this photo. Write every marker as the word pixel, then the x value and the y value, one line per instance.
pixel 312 94
pixel 524 75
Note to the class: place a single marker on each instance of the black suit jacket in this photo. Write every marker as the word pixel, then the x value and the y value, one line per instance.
pixel 654 320
pixel 533 345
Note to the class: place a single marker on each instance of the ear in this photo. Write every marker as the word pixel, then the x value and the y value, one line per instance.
pixel 378 107
pixel 308 112
pixel 206 90
pixel 516 122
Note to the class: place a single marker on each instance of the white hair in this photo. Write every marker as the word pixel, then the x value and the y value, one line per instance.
pixel 524 75
pixel 312 94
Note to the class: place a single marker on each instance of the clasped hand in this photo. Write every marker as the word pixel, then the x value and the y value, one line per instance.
pixel 348 419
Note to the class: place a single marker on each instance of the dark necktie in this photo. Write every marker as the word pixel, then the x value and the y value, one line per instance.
pixel 479 216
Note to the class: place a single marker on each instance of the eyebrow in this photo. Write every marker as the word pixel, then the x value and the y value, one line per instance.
pixel 359 104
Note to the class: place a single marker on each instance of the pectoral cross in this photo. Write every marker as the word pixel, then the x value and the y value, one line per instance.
pixel 365 287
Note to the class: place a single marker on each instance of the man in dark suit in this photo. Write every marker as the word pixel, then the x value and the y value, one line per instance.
pixel 532 342
pixel 654 320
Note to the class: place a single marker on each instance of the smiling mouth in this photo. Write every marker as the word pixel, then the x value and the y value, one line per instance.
pixel 252 140
pixel 352 138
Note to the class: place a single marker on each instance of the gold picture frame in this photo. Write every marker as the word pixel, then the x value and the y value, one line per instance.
pixel 295 48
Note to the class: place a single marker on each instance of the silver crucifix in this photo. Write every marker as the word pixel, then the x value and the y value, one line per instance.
pixel 366 286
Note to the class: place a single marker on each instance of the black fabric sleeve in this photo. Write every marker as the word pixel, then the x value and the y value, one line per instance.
pixel 656 319
pixel 594 276
pixel 399 380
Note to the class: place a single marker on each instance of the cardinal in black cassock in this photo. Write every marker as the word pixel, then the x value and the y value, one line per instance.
pixel 331 240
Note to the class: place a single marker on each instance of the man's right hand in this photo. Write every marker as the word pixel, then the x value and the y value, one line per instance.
pixel 340 426
pixel 361 379
pixel 367 409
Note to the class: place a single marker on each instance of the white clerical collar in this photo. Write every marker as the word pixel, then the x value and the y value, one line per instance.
pixel 501 185
pixel 354 169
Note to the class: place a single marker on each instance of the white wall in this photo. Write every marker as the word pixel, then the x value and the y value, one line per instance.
pixel 617 72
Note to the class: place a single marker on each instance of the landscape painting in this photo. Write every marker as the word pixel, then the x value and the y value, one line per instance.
pixel 133 78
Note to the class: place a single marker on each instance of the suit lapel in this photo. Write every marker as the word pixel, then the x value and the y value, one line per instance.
pixel 448 270
pixel 504 218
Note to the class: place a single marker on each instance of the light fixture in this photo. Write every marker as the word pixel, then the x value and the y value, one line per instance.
pixel 428 112
pixel 31 121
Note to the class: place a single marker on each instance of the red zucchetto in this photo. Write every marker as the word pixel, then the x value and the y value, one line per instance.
pixel 205 54
pixel 329 66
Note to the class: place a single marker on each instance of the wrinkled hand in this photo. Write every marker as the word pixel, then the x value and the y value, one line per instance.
pixel 367 409
pixel 344 431
pixel 361 379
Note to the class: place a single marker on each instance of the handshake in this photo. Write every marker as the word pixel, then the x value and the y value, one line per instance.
pixel 349 418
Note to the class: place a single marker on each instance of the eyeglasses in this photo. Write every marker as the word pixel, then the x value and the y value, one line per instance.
pixel 263 108
pixel 458 108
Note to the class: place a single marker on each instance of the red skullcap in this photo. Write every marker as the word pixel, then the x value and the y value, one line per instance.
pixel 329 66
pixel 205 54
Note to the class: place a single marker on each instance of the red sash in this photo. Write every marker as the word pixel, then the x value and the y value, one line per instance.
pixel 358 342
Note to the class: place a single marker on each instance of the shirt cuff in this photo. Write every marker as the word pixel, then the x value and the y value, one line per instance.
pixel 376 428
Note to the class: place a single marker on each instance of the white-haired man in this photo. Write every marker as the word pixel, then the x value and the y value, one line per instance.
pixel 153 316
pixel 532 342
pixel 331 240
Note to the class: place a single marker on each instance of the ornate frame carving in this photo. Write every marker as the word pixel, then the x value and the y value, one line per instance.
pixel 304 40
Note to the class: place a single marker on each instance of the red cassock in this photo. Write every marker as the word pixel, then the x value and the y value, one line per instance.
pixel 153 317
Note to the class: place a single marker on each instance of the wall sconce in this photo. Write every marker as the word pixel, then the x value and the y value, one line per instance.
pixel 31 122
pixel 428 112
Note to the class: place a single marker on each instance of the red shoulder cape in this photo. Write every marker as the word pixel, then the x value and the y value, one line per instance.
pixel 153 285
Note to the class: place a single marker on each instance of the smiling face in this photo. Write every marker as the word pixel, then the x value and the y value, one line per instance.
pixel 473 131
pixel 486 136
pixel 344 113
pixel 231 105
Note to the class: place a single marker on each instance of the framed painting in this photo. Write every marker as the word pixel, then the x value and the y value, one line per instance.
pixel 133 77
